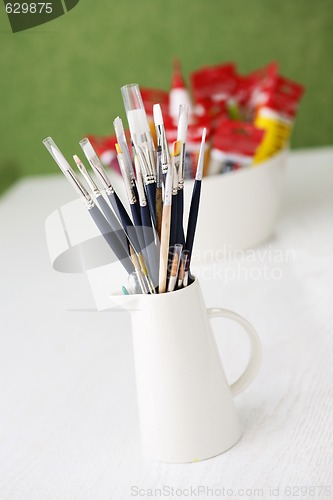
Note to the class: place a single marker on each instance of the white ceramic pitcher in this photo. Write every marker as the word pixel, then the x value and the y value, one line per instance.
pixel 185 402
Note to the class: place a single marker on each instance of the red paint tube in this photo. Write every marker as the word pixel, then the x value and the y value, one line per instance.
pixel 234 146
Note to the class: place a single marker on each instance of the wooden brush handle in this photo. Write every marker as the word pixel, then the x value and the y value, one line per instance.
pixel 164 251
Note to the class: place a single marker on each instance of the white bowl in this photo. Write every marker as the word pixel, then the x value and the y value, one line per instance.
pixel 238 210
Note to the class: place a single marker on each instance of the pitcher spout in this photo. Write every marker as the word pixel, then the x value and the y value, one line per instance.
pixel 126 302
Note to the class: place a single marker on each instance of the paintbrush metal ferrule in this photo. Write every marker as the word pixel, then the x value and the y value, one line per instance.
pixel 141 189
pixel 175 183
pixel 152 162
pixel 121 138
pixel 126 175
pixel 146 172
pixel 80 189
pixel 165 153
pixel 131 196
pixel 90 181
pixel 168 187
pixel 128 186
pixel 96 164
pixel 161 137
pixel 159 201
pixel 159 167
pixel 175 165
pixel 181 172
pixel 159 130
pixel 100 172
pixel 166 160
pixel 149 179
pixel 149 155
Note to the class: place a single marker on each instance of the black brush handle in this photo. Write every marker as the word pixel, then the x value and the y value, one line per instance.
pixel 151 248
pixel 180 216
pixel 125 220
pixel 111 238
pixel 193 217
pixel 151 199
pixel 135 209
pixel 113 221
pixel 174 221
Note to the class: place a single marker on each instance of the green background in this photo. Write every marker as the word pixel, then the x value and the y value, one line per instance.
pixel 63 78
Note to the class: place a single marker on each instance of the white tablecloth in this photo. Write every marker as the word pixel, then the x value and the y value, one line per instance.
pixel 68 416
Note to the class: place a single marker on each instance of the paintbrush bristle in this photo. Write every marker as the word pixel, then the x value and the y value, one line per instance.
pixel 201 158
pixel 77 160
pixel 158 117
pixel 80 165
pixel 183 122
pixel 176 148
pixel 118 127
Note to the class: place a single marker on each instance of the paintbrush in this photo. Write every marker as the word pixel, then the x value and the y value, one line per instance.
pixel 103 205
pixel 121 138
pixel 143 141
pixel 161 138
pixel 133 200
pixel 182 268
pixel 137 213
pixel 112 219
pixel 103 225
pixel 181 136
pixel 130 231
pixel 114 199
pixel 186 270
pixel 159 194
pixel 148 178
pixel 148 231
pixel 175 262
pixel 165 231
pixel 195 201
pixel 174 230
pixel 142 273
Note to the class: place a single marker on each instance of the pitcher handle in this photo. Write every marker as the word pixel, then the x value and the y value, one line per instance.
pixel 255 348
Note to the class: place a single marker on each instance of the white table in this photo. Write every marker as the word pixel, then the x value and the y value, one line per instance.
pixel 69 425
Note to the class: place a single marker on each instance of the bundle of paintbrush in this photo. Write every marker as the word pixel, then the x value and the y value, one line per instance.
pixel 150 242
